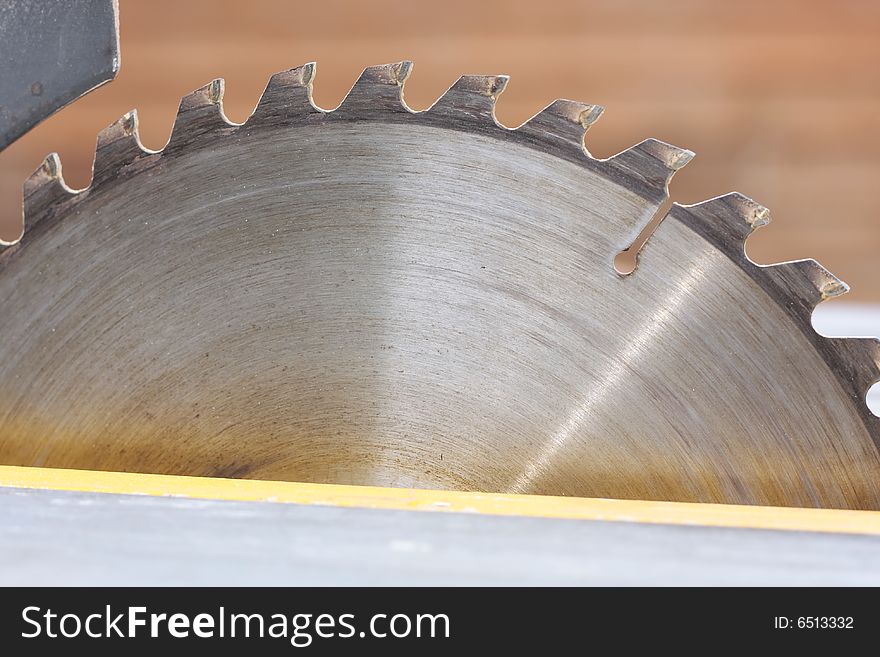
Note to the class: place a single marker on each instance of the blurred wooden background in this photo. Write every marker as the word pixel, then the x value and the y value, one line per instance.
pixel 780 100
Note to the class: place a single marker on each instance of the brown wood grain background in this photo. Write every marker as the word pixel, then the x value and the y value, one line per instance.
pixel 780 100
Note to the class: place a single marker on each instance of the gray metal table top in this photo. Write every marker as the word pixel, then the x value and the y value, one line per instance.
pixel 69 538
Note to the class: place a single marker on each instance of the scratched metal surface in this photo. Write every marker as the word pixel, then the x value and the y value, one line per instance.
pixel 373 296
pixel 51 53
pixel 68 538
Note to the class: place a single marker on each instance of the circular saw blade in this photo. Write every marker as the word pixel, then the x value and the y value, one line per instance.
pixel 373 295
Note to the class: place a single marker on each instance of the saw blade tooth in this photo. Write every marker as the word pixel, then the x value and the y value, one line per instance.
pixel 118 146
pixel 653 162
pixel 287 95
pixel 472 97
pixel 564 121
pixel 378 89
pixel 200 113
pixel 43 190
pixel 803 284
pixel 824 284
pixel 726 221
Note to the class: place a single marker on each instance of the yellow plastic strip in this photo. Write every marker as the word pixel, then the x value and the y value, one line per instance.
pixel 370 497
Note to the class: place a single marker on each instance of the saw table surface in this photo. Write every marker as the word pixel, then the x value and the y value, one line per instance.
pixel 55 533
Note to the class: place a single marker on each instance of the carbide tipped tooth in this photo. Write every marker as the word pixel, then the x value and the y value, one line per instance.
pixel 390 75
pixel 200 112
pixel 564 121
pixel 748 213
pixel 472 96
pixel 210 95
pixel 43 189
pixel 288 95
pixel 378 89
pixel 825 284
pixel 118 145
pixel 726 221
pixel 803 284
pixel 652 161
